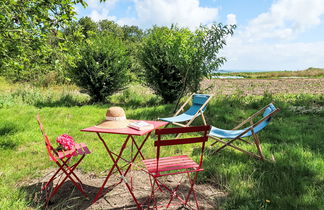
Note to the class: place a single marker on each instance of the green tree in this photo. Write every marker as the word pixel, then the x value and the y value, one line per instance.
pixel 104 67
pixel 89 27
pixel 132 33
pixel 110 27
pixel 27 31
pixel 176 59
pixel 133 37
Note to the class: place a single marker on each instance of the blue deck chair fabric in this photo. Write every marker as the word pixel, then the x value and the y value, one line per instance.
pixel 199 102
pixel 188 115
pixel 231 134
pixel 236 134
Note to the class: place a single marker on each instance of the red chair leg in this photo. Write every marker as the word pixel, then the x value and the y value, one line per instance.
pixel 71 169
pixel 174 193
pixel 192 190
pixel 68 175
pixel 51 179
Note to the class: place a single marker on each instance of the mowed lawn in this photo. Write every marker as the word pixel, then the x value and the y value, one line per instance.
pixel 295 138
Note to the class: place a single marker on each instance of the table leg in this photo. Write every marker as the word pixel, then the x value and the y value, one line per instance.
pixel 138 151
pixel 113 167
pixel 120 172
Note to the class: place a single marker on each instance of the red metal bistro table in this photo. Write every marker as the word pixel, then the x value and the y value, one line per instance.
pixel 115 157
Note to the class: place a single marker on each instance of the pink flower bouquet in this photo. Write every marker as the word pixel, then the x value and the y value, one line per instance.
pixel 66 141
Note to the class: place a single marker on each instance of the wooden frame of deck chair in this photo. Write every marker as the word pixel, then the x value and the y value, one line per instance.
pixel 169 166
pixel 232 135
pixel 62 158
pixel 199 105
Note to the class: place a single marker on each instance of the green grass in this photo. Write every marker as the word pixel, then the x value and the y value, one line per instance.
pixel 294 138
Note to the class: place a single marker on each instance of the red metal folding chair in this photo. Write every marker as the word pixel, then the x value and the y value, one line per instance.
pixel 62 158
pixel 169 166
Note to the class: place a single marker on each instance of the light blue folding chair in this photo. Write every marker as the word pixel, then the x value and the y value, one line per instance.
pixel 199 105
pixel 237 134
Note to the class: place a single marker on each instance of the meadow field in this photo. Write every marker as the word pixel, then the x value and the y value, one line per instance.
pixel 292 179
pixel 307 73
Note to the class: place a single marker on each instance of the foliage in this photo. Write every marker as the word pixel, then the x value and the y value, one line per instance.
pixel 176 60
pixel 132 33
pixel 28 30
pixel 89 27
pixel 86 28
pixel 104 67
pixel 131 36
pixel 110 27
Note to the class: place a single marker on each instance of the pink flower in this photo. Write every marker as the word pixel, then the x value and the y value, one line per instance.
pixel 66 141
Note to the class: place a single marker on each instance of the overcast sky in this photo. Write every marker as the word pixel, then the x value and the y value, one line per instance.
pixel 270 34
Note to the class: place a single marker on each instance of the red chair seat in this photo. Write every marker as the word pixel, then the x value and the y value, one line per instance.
pixel 80 149
pixel 170 164
pixel 173 165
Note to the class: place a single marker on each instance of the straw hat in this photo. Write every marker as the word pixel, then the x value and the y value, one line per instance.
pixel 115 118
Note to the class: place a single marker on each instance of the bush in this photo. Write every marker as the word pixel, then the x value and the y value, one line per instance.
pixel 104 67
pixel 176 60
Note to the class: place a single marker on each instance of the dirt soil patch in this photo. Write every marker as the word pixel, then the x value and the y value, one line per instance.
pixel 117 197
pixel 261 86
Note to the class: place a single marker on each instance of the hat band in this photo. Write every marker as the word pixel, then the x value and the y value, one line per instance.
pixel 115 118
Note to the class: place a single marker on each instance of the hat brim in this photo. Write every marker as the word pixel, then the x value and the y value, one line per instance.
pixel 113 124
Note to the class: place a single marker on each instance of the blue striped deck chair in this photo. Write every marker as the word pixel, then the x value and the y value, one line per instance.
pixel 238 134
pixel 199 105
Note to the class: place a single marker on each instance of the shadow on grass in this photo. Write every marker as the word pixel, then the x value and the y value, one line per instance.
pixel 64 101
pixel 70 101
pixel 134 102
pixel 287 183
pixel 67 197
pixel 5 131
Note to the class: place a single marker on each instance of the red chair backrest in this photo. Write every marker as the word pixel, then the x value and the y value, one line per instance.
pixel 48 145
pixel 202 138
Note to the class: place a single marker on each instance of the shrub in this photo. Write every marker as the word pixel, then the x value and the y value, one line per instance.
pixel 103 69
pixel 176 59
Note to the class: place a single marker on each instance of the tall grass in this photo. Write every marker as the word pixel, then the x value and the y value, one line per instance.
pixel 294 137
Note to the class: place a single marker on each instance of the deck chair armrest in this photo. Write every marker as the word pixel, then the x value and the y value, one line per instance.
pixel 253 125
pixel 250 118
pixel 183 106
pixel 266 117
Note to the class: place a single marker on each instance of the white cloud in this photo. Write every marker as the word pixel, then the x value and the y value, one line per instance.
pixel 270 56
pixel 267 42
pixel 286 19
pixel 100 11
pixel 185 13
pixel 231 19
